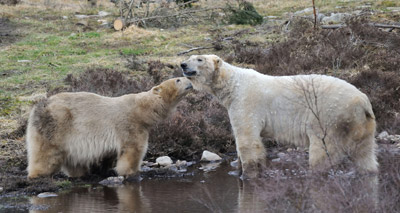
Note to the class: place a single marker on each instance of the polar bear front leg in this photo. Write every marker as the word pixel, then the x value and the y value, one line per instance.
pixel 132 154
pixel 251 154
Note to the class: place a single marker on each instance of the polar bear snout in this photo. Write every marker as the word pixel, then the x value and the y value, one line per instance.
pixel 187 71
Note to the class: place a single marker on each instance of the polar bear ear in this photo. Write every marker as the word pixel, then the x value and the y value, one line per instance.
pixel 217 62
pixel 157 90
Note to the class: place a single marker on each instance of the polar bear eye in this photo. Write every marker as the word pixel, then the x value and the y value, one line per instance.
pixel 179 80
pixel 199 60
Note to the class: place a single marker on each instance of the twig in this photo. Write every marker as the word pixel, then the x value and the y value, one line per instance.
pixel 193 49
pixel 315 15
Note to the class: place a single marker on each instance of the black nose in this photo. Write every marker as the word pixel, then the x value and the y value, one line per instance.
pixel 183 65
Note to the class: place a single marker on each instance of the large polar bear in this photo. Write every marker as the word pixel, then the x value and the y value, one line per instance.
pixel 328 115
pixel 72 131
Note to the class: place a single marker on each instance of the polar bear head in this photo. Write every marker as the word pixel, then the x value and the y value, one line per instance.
pixel 172 90
pixel 201 70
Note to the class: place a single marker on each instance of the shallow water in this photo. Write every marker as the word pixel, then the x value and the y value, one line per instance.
pixel 214 191
pixel 202 192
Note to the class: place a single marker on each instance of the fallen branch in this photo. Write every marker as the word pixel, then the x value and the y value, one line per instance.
pixel 126 23
pixel 193 49
pixel 336 26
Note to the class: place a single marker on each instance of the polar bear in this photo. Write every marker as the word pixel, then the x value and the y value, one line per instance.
pixel 328 115
pixel 72 131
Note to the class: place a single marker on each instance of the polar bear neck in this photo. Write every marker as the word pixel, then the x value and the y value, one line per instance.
pixel 226 82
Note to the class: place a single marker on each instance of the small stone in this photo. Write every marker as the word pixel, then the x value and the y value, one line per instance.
pixel 1 189
pixel 164 161
pixel 65 17
pixel 103 13
pixel 209 156
pixel 290 149
pixel 47 194
pixel 383 135
pixel 208 167
pixel 145 169
pixel 235 163
pixel 281 154
pixel 276 160
pixel 24 61
pixel 190 163
pixel 112 181
pixel 180 163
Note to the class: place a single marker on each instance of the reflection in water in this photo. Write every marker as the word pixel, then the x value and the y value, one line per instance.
pixel 219 192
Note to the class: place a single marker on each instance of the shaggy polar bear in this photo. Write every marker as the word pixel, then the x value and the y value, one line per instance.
pixel 72 131
pixel 328 115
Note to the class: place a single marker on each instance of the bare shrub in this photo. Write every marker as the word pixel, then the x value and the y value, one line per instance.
pixel 383 89
pixel 10 2
pixel 199 123
pixel 104 82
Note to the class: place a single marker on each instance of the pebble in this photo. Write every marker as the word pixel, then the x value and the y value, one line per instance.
pixel 180 163
pixel 47 194
pixel 112 181
pixel 209 156
pixel 164 161
pixel 1 189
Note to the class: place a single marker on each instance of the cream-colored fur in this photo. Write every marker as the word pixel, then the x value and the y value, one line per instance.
pixel 71 131
pixel 328 115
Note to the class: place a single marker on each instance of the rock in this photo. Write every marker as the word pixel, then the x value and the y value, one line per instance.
pixel 276 160
pixel 383 135
pixel 1 189
pixel 190 163
pixel 334 18
pixel 145 169
pixel 24 61
pixel 305 11
pixel 180 163
pixel 281 155
pixel 234 173
pixel 290 149
pixel 112 181
pixel 164 161
pixel 47 194
pixel 103 13
pixel 208 167
pixel 394 9
pixel 209 156
pixel 65 17
pixel 235 163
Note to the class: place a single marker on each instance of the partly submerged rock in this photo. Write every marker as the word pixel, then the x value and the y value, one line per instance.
pixel 164 161
pixel 47 194
pixel 208 167
pixel 209 156
pixel 112 181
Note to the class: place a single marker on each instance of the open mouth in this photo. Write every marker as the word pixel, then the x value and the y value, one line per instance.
pixel 189 87
pixel 189 73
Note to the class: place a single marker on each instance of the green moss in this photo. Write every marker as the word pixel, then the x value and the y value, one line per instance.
pixel 246 14
pixel 388 4
pixel 64 184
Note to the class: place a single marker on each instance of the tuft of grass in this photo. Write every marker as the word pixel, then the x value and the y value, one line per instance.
pixel 63 184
